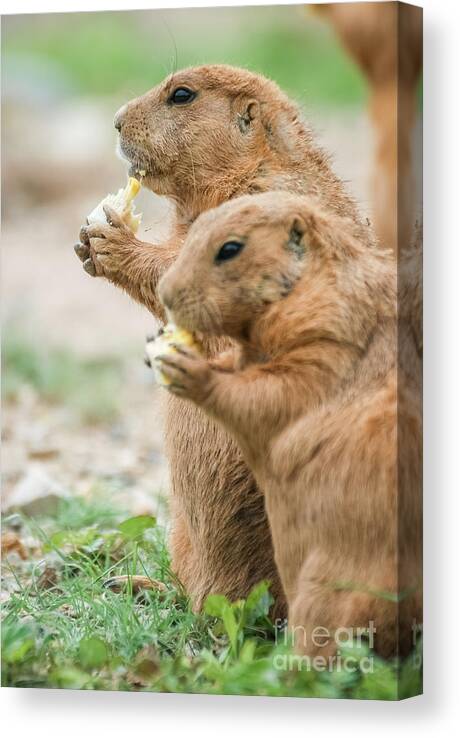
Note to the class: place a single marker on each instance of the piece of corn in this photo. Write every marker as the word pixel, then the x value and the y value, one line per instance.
pixel 122 203
pixel 163 345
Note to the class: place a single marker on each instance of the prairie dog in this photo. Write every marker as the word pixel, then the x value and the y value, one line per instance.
pixel 203 136
pixel 386 41
pixel 326 419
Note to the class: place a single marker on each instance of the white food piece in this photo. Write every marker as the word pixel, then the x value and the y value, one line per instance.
pixel 163 345
pixel 122 203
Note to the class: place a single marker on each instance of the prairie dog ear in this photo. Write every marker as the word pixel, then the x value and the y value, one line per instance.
pixel 252 110
pixel 297 230
pixel 249 111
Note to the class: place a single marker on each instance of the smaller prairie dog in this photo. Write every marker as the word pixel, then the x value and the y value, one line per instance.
pixel 328 423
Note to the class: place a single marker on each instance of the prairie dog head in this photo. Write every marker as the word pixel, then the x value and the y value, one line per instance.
pixel 237 261
pixel 205 130
pixel 277 258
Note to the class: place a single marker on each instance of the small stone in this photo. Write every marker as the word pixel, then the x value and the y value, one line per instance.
pixel 35 494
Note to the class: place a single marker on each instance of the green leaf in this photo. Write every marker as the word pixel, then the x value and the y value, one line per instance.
pixel 93 653
pixel 248 651
pixel 73 538
pixel 231 626
pixel 17 651
pixel 17 641
pixel 69 677
pixel 258 602
pixel 134 528
pixel 215 604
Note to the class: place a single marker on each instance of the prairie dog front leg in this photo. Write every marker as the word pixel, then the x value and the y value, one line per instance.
pixel 112 251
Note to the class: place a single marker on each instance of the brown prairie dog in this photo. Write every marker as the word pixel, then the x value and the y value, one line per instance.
pixel 313 402
pixel 230 133
pixel 385 40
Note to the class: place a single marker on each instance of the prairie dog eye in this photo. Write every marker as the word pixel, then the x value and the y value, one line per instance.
pixel 181 96
pixel 229 250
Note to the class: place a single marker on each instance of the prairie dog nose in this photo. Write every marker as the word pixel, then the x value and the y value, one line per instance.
pixel 119 117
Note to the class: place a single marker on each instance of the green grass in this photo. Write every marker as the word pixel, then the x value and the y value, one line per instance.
pixel 127 53
pixel 66 629
pixel 88 387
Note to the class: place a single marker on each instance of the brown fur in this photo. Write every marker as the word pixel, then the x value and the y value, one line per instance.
pixel 240 135
pixel 385 40
pixel 327 420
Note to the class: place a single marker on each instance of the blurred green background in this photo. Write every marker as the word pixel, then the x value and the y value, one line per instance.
pixel 105 53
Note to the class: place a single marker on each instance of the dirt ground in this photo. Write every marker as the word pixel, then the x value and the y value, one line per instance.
pixel 47 191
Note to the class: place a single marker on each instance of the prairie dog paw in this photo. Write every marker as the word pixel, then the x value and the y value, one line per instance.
pixel 169 341
pixel 108 236
pixel 187 374
pixel 178 364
